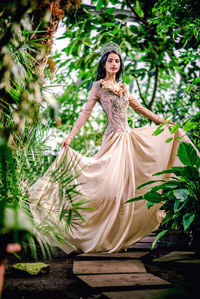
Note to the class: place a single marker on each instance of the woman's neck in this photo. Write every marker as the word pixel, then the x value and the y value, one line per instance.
pixel 111 78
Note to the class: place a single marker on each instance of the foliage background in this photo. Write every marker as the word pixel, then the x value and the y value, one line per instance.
pixel 160 45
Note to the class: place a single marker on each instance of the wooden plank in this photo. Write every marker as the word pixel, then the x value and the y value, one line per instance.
pixel 110 256
pixel 148 239
pixel 154 233
pixel 108 266
pixel 143 280
pixel 141 245
pixel 137 294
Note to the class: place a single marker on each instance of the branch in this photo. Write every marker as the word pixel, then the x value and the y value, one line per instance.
pixel 148 84
pixel 155 88
pixel 135 13
pixel 140 93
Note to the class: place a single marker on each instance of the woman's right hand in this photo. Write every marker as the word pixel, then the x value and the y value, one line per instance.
pixel 66 142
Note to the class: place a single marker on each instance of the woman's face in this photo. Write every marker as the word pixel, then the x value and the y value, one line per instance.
pixel 112 64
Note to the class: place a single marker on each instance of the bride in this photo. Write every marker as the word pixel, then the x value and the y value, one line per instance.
pixel 127 158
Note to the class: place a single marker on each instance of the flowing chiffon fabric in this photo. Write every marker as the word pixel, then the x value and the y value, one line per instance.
pixel 127 158
pixel 107 180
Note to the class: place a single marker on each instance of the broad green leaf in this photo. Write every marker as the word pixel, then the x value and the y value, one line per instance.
pixel 187 220
pixel 99 5
pixel 148 183
pixel 189 126
pixel 157 131
pixel 188 88
pixel 121 17
pixel 176 170
pixel 169 139
pixel 159 236
pixel 196 80
pixel 153 197
pixel 127 80
pixel 198 162
pixel 135 199
pixel 110 10
pixel 108 24
pixel 168 185
pixel 178 205
pixel 181 199
pixel 175 128
pixel 134 29
pixel 187 153
pixel 150 204
pixel 190 173
pixel 181 194
pixel 175 223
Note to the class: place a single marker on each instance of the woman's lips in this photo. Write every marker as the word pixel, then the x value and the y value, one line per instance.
pixel 113 68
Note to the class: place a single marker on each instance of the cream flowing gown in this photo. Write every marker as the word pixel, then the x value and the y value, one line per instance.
pixel 127 158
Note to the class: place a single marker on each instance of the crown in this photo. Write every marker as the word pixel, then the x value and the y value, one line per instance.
pixel 110 46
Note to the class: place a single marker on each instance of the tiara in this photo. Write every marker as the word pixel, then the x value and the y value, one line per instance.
pixel 110 46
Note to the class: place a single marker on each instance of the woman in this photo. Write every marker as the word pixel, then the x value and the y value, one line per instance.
pixel 127 158
pixel 11 248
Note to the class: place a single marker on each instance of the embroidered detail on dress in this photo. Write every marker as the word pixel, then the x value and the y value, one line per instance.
pixel 106 86
pixel 115 108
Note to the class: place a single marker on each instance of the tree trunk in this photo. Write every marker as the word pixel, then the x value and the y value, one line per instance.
pixel 46 18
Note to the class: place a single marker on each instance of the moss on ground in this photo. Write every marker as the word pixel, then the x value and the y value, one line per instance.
pixel 32 268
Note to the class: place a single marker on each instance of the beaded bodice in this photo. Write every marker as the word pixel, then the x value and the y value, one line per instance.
pixel 115 108
pixel 115 104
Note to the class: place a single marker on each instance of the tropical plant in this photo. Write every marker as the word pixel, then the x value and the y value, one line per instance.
pixel 20 169
pixel 22 103
pixel 20 97
pixel 178 194
pixel 14 223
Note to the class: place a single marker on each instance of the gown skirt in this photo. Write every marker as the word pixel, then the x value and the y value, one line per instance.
pixel 106 181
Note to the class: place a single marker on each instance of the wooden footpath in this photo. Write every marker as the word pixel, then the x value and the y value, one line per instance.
pixel 121 275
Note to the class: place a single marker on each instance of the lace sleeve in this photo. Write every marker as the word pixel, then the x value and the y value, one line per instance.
pixel 142 110
pixel 83 117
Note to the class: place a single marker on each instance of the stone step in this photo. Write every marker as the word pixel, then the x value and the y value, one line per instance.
pixel 120 281
pixel 112 256
pixel 108 266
